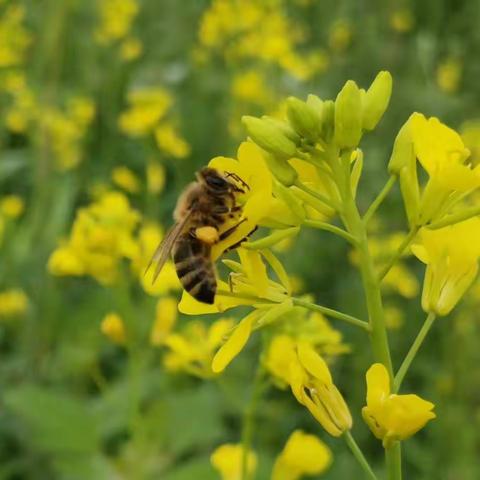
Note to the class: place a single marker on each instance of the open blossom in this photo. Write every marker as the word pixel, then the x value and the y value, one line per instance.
pixel 452 259
pixel 227 460
pixel 392 417
pixel 303 454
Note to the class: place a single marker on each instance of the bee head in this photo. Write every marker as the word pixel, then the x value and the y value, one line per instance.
pixel 214 181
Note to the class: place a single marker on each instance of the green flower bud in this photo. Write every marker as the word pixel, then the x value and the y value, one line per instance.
pixel 376 100
pixel 304 118
pixel 281 170
pixel 285 128
pixel 269 137
pixel 348 116
pixel 270 240
pixel 328 120
pixel 403 151
pixel 315 102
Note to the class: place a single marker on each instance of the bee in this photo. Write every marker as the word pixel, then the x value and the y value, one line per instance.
pixel 208 202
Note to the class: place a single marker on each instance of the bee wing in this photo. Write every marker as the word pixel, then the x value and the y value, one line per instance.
pixel 163 250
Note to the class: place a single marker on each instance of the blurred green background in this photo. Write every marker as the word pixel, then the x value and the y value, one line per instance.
pixel 135 96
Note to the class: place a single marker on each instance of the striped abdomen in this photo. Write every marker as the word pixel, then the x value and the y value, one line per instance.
pixel 194 268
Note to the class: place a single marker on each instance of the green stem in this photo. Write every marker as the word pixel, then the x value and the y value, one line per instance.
pixel 249 420
pixel 455 218
pixel 393 457
pixel 371 285
pixel 358 454
pixel 322 198
pixel 400 251
pixel 380 198
pixel 330 228
pixel 332 313
pixel 413 351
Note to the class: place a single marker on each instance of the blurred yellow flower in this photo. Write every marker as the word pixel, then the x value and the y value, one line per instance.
pixel 452 264
pixel 81 110
pixel 115 19
pixel 146 107
pixel 102 235
pixel 303 454
pixel 401 280
pixel 313 387
pixel 12 206
pixel 340 35
pixel 14 38
pixel 124 178
pixel 192 349
pixel 227 460
pixel 155 173
pixel 169 141
pixel 279 355
pixel 13 302
pixel 130 49
pixel 165 318
pixel 394 317
pixel 449 74
pixel 470 132
pixel 250 86
pixel 392 417
pixel 402 20
pixel 113 328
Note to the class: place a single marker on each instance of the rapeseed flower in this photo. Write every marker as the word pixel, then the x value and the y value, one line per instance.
pixel 14 37
pixel 124 178
pixel 192 349
pixel 170 142
pixel 113 328
pixel 13 303
pixel 12 206
pixel 392 417
pixel 303 454
pixel 166 314
pixel 313 387
pixel 449 74
pixel 115 19
pixel 227 460
pixel 452 264
pixel 155 173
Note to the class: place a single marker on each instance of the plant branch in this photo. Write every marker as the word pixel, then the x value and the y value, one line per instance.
pixel 417 343
pixel 455 218
pixel 322 198
pixel 358 454
pixel 330 228
pixel 380 198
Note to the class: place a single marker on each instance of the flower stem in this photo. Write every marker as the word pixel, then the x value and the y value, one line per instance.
pixel 331 313
pixel 327 201
pixel 401 249
pixel 358 454
pixel 380 198
pixel 393 456
pixel 330 228
pixel 413 351
pixel 249 419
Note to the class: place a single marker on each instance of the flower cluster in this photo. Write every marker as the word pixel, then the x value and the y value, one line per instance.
pixel 14 38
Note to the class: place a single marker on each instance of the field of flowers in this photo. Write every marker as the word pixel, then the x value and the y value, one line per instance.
pixel 343 341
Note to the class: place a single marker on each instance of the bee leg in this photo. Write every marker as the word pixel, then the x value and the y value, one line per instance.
pixel 228 232
pixel 237 178
pixel 231 277
pixel 236 245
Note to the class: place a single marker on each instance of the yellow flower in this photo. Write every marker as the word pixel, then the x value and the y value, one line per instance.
pixel 169 141
pixel 192 350
pixel 452 264
pixel 116 18
pixel 131 49
pixel 124 178
pixel 13 303
pixel 394 317
pixel 442 154
pixel 102 235
pixel 165 318
pixel 81 110
pixel 340 35
pixel 449 75
pixel 227 460
pixel 113 328
pixel 470 132
pixel 12 206
pixel 392 417
pixel 280 354
pixel 250 86
pixel 14 38
pixel 155 177
pixel 402 20
pixel 313 387
pixel 303 454
pixel 147 106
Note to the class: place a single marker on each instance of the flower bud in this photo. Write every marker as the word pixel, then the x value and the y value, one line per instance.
pixel 303 118
pixel 403 151
pixel 286 129
pixel 348 116
pixel 281 170
pixel 328 120
pixel 376 100
pixel 269 137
